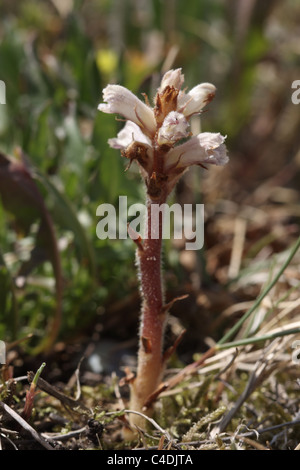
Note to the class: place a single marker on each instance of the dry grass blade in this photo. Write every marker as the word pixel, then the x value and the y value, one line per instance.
pixel 25 425
pixel 264 367
pixel 53 391
pixel 182 374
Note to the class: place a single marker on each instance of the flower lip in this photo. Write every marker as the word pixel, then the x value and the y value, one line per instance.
pixel 119 100
pixel 206 147
pixel 131 132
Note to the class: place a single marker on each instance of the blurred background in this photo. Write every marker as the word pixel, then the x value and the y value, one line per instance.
pixel 58 281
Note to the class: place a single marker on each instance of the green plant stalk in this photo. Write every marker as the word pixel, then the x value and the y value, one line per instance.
pixel 30 395
pixel 37 375
pixel 249 327
pixel 265 292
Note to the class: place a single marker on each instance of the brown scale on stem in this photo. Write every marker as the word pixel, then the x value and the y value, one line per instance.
pixel 166 102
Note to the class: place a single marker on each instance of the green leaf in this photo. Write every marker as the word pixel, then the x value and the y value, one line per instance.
pixel 65 216
pixel 8 304
pixel 22 198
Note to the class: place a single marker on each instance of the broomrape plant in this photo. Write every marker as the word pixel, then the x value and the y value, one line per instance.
pixel 159 140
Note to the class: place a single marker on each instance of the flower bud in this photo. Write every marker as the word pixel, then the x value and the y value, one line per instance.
pixel 194 101
pixel 172 78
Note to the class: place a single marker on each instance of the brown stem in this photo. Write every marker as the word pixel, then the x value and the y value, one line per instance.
pixel 153 316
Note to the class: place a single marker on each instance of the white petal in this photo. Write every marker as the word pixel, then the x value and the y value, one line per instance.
pixel 173 129
pixel 131 132
pixel 206 147
pixel 172 78
pixel 195 100
pixel 119 100
pixel 216 151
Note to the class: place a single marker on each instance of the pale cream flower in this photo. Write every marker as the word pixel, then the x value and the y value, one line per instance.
pixel 131 132
pixel 204 148
pixel 121 101
pixel 172 78
pixel 196 99
pixel 152 136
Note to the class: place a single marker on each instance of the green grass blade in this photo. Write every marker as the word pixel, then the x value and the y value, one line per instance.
pixel 237 326
pixel 258 339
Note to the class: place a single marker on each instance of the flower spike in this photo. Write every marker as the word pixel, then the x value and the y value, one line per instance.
pixel 159 140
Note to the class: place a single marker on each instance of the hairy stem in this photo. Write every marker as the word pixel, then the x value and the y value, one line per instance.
pixel 153 318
